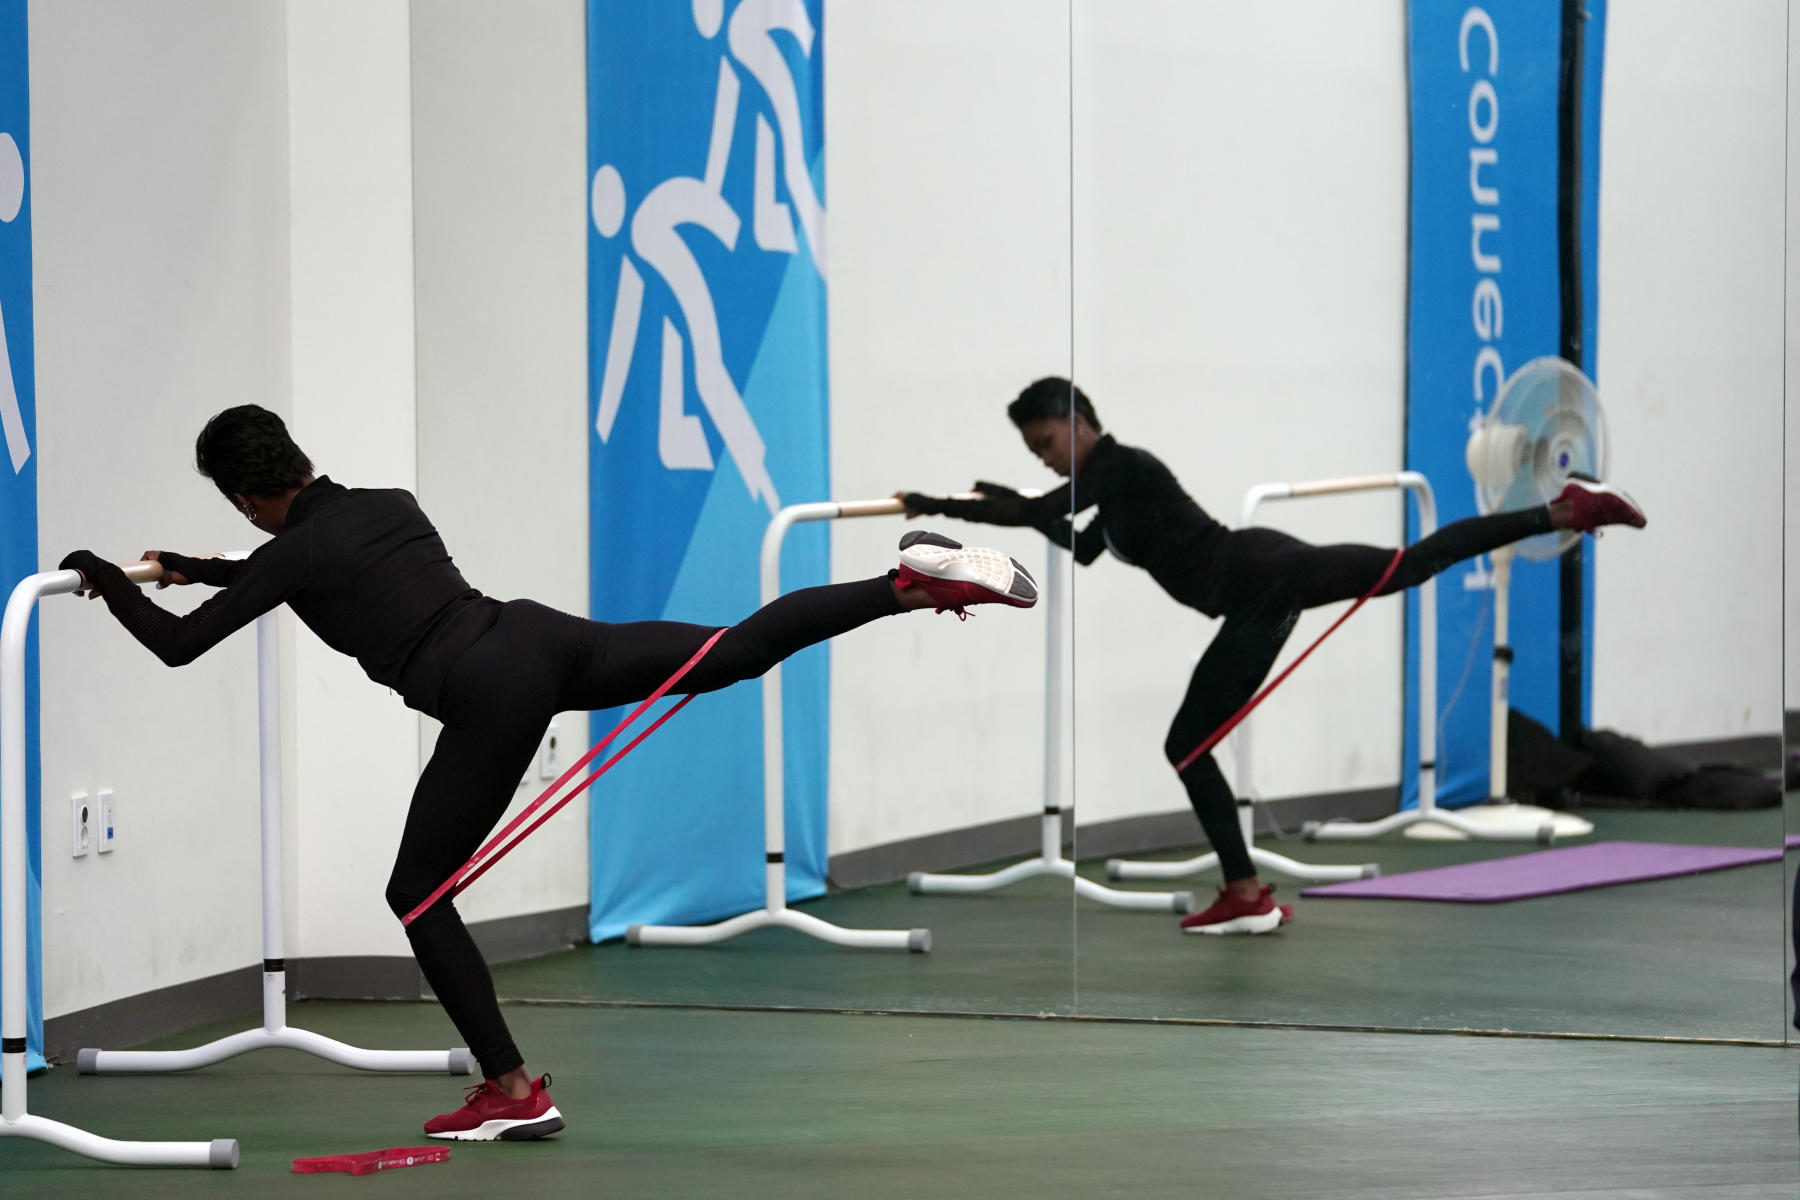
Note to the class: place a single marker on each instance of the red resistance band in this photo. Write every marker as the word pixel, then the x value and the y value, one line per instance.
pixel 469 872
pixel 1218 735
pixel 372 1161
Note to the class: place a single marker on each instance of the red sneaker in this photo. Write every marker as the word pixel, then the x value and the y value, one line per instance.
pixel 489 1114
pixel 1229 914
pixel 955 576
pixel 1598 504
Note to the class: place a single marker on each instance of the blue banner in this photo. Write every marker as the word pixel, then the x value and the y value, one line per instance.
pixel 1485 299
pixel 707 348
pixel 18 470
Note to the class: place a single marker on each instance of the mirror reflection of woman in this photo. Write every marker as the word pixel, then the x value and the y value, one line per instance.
pixel 367 572
pixel 1259 580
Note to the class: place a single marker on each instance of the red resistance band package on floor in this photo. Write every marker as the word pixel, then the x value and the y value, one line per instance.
pixel 371 1161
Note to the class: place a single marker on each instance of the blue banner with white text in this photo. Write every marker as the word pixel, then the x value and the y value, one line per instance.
pixel 18 469
pixel 1484 299
pixel 707 349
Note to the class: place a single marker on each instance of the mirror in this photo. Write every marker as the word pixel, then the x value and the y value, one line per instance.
pixel 714 367
pixel 1314 249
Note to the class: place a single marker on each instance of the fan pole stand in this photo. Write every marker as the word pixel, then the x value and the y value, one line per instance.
pixel 1500 816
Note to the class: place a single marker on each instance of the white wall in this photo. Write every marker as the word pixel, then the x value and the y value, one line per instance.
pixel 500 164
pixel 948 197
pixel 1690 366
pixel 1240 286
pixel 353 755
pixel 159 203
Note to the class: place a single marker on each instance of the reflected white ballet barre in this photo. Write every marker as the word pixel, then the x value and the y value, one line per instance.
pixel 1050 860
pixel 15 1121
pixel 275 1033
pixel 775 910
pixel 1247 793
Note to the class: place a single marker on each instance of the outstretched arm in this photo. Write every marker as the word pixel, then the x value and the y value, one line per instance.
pixel 182 568
pixel 257 587
pixel 1001 505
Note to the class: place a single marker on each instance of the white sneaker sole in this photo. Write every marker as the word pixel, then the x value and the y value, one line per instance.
pixel 979 565
pixel 1265 923
pixel 507 1131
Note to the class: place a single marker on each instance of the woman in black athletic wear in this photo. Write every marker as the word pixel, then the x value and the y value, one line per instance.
pixel 365 570
pixel 1259 580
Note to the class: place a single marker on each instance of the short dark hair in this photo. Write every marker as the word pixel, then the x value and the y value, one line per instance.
pixel 246 451
pixel 1051 396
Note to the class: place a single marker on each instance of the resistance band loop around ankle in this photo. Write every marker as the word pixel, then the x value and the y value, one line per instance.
pixel 475 868
pixel 1218 735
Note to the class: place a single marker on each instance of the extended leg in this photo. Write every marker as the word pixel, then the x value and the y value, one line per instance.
pixel 1328 574
pixel 625 663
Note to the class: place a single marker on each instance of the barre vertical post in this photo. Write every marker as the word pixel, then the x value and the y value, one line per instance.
pixel 15 1120
pixel 1050 860
pixel 275 1031
pixel 775 910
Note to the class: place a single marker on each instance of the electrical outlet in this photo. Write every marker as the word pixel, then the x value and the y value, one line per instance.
pixel 550 755
pixel 81 815
pixel 106 831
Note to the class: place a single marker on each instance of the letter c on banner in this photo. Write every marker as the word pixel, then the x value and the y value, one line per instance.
pixel 1471 19
pixel 1488 359
pixel 1485 309
pixel 1483 93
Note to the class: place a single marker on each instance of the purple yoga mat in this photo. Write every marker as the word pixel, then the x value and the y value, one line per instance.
pixel 1547 872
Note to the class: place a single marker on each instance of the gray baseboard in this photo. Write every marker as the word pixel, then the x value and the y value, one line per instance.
pixel 1018 837
pixel 1176 830
pixel 1761 752
pixel 948 851
pixel 154 1014
pixel 137 1019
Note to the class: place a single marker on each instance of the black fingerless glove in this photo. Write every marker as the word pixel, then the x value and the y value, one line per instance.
pixel 104 577
pixel 181 564
pixel 919 502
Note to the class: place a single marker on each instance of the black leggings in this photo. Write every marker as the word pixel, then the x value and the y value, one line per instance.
pixel 498 699
pixel 1269 579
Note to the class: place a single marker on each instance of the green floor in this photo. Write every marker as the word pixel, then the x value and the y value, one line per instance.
pixel 672 1103
pixel 1701 956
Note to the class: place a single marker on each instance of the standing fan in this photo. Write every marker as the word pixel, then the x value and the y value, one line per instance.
pixel 1544 426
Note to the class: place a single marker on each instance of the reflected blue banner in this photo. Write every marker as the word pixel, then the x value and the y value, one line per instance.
pixel 1484 299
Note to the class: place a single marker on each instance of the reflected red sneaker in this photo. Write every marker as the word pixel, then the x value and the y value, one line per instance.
pixel 955 575
pixel 1598 504
pixel 1229 914
pixel 489 1115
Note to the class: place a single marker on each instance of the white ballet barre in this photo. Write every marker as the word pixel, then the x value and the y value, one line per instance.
pixel 1247 792
pixel 275 1033
pixel 1488 822
pixel 15 1121
pixel 775 910
pixel 1050 860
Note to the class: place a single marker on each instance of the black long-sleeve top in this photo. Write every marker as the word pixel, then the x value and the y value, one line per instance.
pixel 1144 517
pixel 363 568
